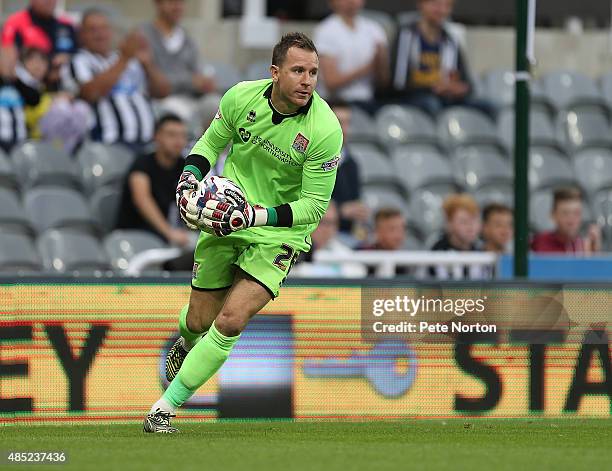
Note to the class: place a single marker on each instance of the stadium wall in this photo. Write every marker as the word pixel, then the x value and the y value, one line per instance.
pixel 92 350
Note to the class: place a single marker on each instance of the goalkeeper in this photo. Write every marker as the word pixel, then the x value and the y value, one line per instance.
pixel 285 152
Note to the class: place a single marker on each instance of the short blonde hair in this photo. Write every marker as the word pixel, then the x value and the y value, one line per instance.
pixel 458 201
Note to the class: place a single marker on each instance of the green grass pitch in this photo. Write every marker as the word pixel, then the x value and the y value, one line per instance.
pixel 477 444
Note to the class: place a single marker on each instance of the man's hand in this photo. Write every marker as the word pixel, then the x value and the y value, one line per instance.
pixel 225 218
pixel 203 83
pixel 187 182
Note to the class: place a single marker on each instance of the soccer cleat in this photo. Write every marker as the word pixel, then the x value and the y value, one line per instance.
pixel 159 422
pixel 175 358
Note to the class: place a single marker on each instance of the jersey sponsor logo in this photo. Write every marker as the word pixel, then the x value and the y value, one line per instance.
pixel 274 151
pixel 218 115
pixel 251 116
pixel 300 143
pixel 244 134
pixel 331 164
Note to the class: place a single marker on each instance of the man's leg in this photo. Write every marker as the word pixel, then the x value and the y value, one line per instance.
pixel 194 321
pixel 246 297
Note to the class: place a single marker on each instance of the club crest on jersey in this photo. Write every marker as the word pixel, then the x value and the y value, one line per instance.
pixel 300 143
pixel 251 116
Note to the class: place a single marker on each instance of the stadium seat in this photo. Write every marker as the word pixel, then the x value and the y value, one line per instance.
pixel 122 245
pixel 479 165
pixel 497 86
pixel 419 165
pixel 104 204
pixel 593 168
pixel 602 214
pixel 40 163
pixel 12 215
pixel 103 164
pixel 540 208
pixel 258 70
pixel 8 179
pixel 541 130
pixel 363 127
pixel 374 166
pixel 18 253
pixel 549 168
pixel 226 75
pixel 565 88
pixel 398 125
pixel 52 207
pixel 425 209
pixel 583 126
pixel 67 250
pixel 496 193
pixel 460 125
pixel 606 88
pixel 378 196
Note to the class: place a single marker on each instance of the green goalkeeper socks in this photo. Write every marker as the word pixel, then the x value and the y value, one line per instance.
pixel 203 361
pixel 191 338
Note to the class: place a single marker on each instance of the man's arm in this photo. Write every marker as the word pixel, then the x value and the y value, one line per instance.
pixel 159 85
pixel 142 197
pixel 335 79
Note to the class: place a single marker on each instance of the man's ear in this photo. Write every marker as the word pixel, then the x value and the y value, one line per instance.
pixel 274 72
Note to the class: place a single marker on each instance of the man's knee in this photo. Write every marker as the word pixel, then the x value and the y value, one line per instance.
pixel 230 322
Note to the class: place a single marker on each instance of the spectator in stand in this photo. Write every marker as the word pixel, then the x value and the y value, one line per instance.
pixel 567 216
pixel 176 54
pixel 149 187
pixel 461 235
pixel 117 84
pixel 38 27
pixel 324 240
pixel 347 191
pixel 430 70
pixel 497 228
pixel 389 230
pixel 57 116
pixel 389 235
pixel 353 54
pixel 15 94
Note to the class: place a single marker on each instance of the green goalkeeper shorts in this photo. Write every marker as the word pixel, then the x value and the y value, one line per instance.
pixel 266 260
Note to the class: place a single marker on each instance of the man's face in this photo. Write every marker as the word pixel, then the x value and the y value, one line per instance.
pixel 343 113
pixel 171 10
pixel 171 138
pixel 568 218
pixel 498 229
pixel 97 34
pixel 436 11
pixel 296 77
pixel 464 226
pixel 391 233
pixel 327 228
pixel 43 7
pixel 347 7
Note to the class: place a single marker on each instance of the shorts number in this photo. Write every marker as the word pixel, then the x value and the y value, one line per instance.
pixel 285 256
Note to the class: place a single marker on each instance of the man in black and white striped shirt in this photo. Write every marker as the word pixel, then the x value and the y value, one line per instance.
pixel 117 84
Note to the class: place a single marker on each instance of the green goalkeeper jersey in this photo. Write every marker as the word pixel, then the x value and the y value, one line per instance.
pixel 277 158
